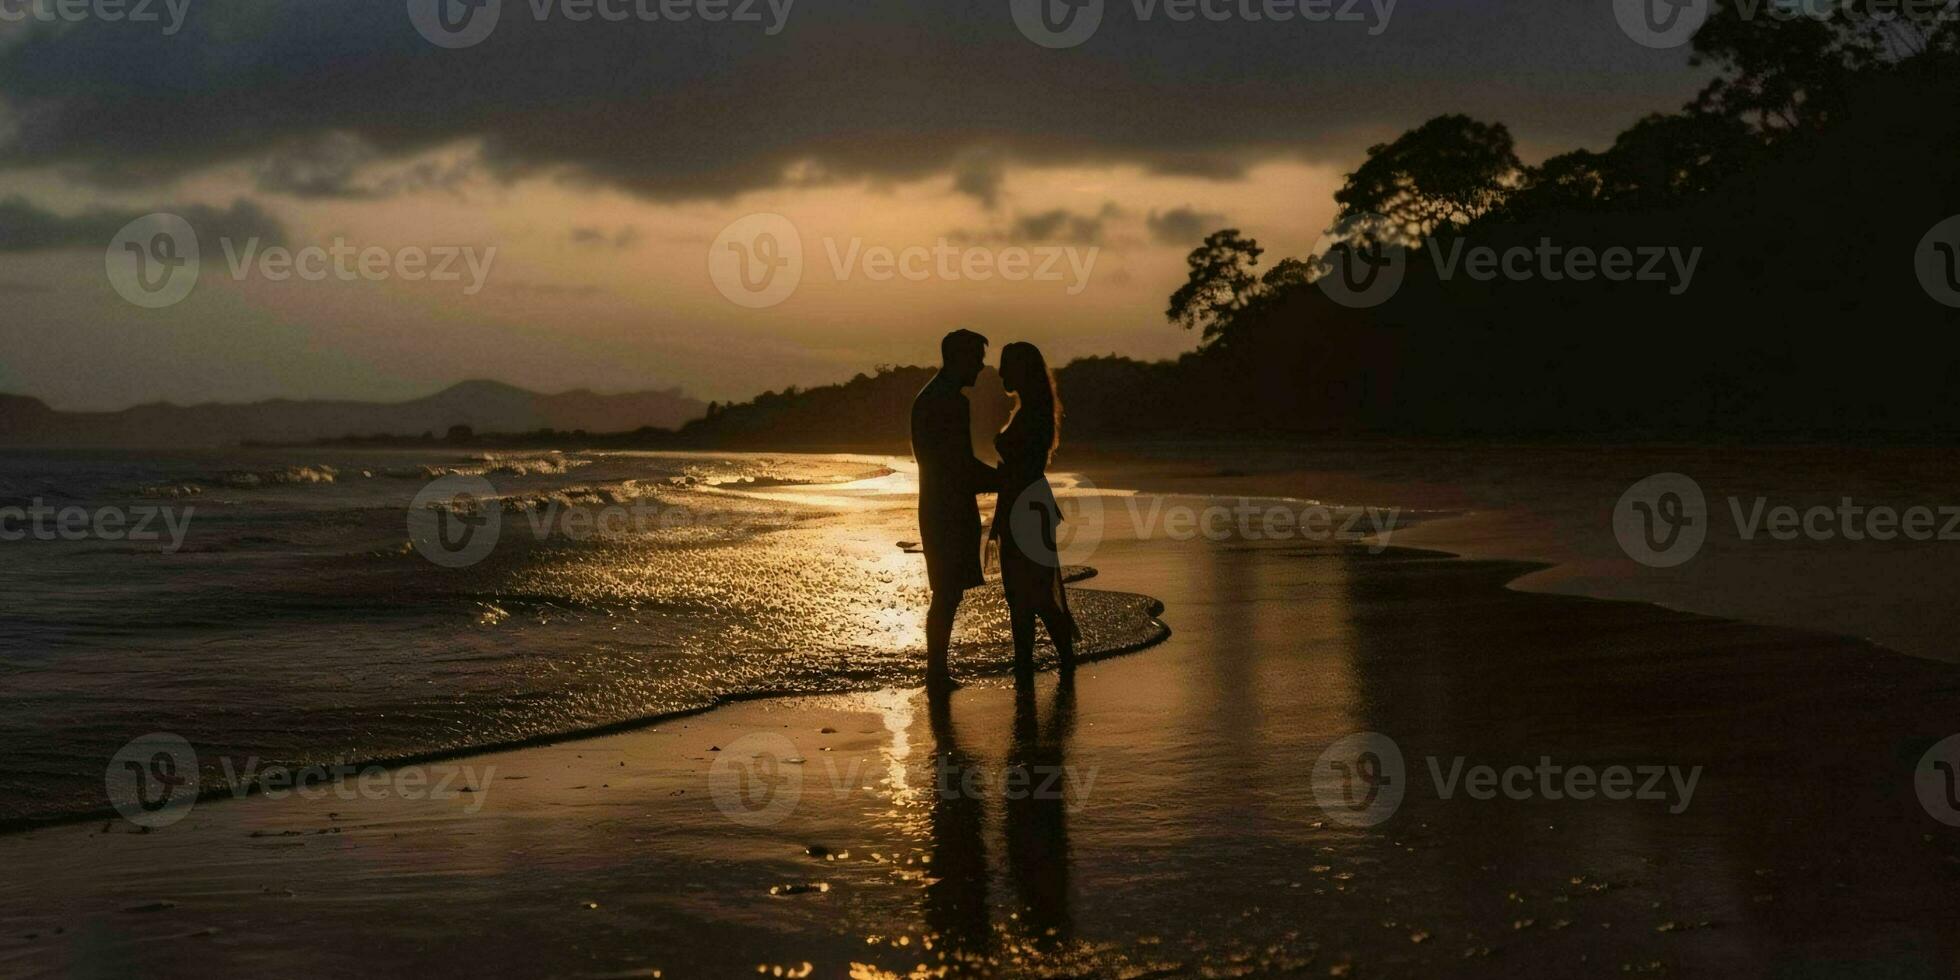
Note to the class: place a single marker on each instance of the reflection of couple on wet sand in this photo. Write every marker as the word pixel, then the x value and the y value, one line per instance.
pixel 1026 516
pixel 1034 821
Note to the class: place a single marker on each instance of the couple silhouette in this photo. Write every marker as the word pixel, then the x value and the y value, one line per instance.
pixel 1026 516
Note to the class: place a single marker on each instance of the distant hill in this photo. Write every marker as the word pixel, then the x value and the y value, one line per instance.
pixel 485 406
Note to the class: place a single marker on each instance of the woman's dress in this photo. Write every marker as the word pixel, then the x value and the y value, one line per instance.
pixel 1027 518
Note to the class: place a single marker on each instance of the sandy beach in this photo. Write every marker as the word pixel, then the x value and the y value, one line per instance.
pixel 1180 811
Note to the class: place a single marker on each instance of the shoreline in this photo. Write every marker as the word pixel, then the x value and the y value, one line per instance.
pixel 1161 633
pixel 1442 533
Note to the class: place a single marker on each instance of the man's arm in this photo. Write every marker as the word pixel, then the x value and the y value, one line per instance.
pixel 938 441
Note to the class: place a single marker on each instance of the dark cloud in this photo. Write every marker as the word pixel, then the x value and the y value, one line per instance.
pixel 979 174
pixel 553 289
pixel 1062 225
pixel 317 95
pixel 1057 226
pixel 25 227
pixel 344 165
pixel 625 237
pixel 1183 226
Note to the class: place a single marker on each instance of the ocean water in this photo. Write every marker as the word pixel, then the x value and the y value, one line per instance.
pixel 297 622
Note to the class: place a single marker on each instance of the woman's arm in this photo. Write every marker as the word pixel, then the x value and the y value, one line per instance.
pixel 982 477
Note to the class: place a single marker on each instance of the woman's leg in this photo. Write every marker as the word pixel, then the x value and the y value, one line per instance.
pixel 939 632
pixel 1061 631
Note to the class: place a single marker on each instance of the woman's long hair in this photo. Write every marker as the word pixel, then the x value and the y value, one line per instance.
pixel 1024 372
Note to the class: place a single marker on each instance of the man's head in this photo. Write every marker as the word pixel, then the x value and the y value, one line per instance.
pixel 961 355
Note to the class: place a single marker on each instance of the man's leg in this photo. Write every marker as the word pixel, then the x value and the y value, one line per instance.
pixel 1021 622
pixel 939 632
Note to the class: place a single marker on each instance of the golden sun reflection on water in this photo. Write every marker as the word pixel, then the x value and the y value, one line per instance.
pixel 897 709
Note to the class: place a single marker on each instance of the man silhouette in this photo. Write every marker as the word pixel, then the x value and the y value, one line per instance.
pixel 950 476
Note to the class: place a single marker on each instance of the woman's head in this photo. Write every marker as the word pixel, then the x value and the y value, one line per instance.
pixel 1022 367
pixel 1024 372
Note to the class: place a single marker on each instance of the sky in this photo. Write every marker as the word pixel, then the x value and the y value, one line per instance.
pixel 389 196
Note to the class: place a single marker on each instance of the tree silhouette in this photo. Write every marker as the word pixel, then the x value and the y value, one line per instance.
pixel 1783 74
pixel 1659 161
pixel 1220 285
pixel 1450 169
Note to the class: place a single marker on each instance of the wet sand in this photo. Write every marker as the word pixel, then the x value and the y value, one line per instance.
pixel 1188 838
pixel 1554 505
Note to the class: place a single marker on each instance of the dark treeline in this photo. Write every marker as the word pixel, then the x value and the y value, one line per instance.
pixel 1807 173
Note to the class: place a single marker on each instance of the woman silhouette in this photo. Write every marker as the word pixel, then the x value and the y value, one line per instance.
pixel 1026 516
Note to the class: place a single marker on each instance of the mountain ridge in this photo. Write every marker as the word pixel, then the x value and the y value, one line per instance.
pixel 480 404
